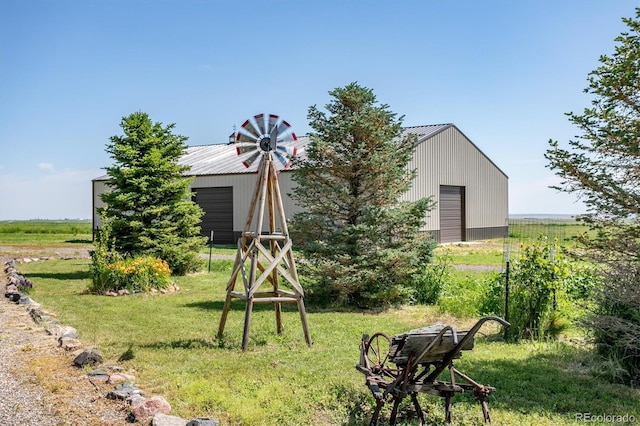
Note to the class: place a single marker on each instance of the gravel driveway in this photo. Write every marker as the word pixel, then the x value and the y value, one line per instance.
pixel 38 383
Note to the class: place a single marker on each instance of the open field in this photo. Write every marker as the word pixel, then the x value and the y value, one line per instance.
pixel 28 238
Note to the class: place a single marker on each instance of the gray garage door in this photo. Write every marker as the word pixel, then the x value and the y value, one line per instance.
pixel 451 205
pixel 217 204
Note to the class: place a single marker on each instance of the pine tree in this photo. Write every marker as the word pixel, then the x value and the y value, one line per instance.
pixel 603 166
pixel 149 200
pixel 362 244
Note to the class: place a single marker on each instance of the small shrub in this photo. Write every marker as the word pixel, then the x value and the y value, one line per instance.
pixel 25 286
pixel 428 288
pixel 140 274
pixel 555 324
pixel 462 294
pixel 111 272
pixel 492 300
pixel 102 257
pixel 543 291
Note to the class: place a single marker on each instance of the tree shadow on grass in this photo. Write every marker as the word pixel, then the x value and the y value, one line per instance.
pixel 230 343
pixel 549 383
pixel 72 275
pixel 186 344
pixel 79 241
pixel 237 305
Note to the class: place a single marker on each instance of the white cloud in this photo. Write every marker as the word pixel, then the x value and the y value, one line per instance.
pixel 46 167
pixel 63 194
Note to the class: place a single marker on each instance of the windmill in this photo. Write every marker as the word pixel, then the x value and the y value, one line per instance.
pixel 265 253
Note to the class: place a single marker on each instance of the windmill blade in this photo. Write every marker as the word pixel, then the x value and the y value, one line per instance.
pixel 271 125
pixel 284 127
pixel 282 159
pixel 245 136
pixel 250 128
pixel 289 150
pixel 242 148
pixel 287 137
pixel 260 122
pixel 249 161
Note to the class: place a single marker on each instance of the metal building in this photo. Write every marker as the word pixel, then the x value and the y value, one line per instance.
pixel 470 190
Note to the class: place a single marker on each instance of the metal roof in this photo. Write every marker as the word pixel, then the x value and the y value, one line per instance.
pixel 425 132
pixel 222 159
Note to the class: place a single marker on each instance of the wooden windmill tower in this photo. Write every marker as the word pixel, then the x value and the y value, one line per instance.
pixel 265 254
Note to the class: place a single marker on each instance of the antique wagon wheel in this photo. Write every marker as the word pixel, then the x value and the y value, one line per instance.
pixel 377 352
pixel 265 134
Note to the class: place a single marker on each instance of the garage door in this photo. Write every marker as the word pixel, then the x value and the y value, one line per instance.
pixel 451 205
pixel 217 204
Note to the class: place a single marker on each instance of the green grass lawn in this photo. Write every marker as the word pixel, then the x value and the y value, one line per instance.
pixel 168 342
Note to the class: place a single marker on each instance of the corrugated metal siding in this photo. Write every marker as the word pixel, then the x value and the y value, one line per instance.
pixel 243 189
pixel 99 187
pixel 449 158
pixel 217 204
pixel 452 217
pixel 487 233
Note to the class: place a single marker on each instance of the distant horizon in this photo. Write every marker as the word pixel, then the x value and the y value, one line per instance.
pixel 511 215
pixel 545 216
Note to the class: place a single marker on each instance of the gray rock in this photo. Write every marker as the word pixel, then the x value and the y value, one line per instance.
pixel 63 331
pixel 25 300
pixel 98 374
pixel 119 394
pixel 203 422
pixel 128 384
pixel 135 399
pixel 39 316
pixel 124 393
pixel 12 288
pixel 88 357
pixel 160 419
pixel 10 264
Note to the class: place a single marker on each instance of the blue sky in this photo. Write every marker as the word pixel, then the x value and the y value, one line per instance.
pixel 503 71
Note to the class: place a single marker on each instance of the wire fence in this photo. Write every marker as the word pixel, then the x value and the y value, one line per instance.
pixel 560 231
pixel 552 232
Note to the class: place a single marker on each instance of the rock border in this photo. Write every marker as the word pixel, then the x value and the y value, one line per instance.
pixel 154 411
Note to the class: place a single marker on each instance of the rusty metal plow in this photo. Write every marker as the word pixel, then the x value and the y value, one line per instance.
pixel 409 363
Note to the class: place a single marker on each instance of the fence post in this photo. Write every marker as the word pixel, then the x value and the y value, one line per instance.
pixel 210 249
pixel 506 294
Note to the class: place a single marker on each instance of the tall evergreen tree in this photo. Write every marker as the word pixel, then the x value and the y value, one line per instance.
pixel 362 244
pixel 602 165
pixel 149 202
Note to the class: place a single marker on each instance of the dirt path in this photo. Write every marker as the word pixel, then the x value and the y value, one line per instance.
pixel 21 252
